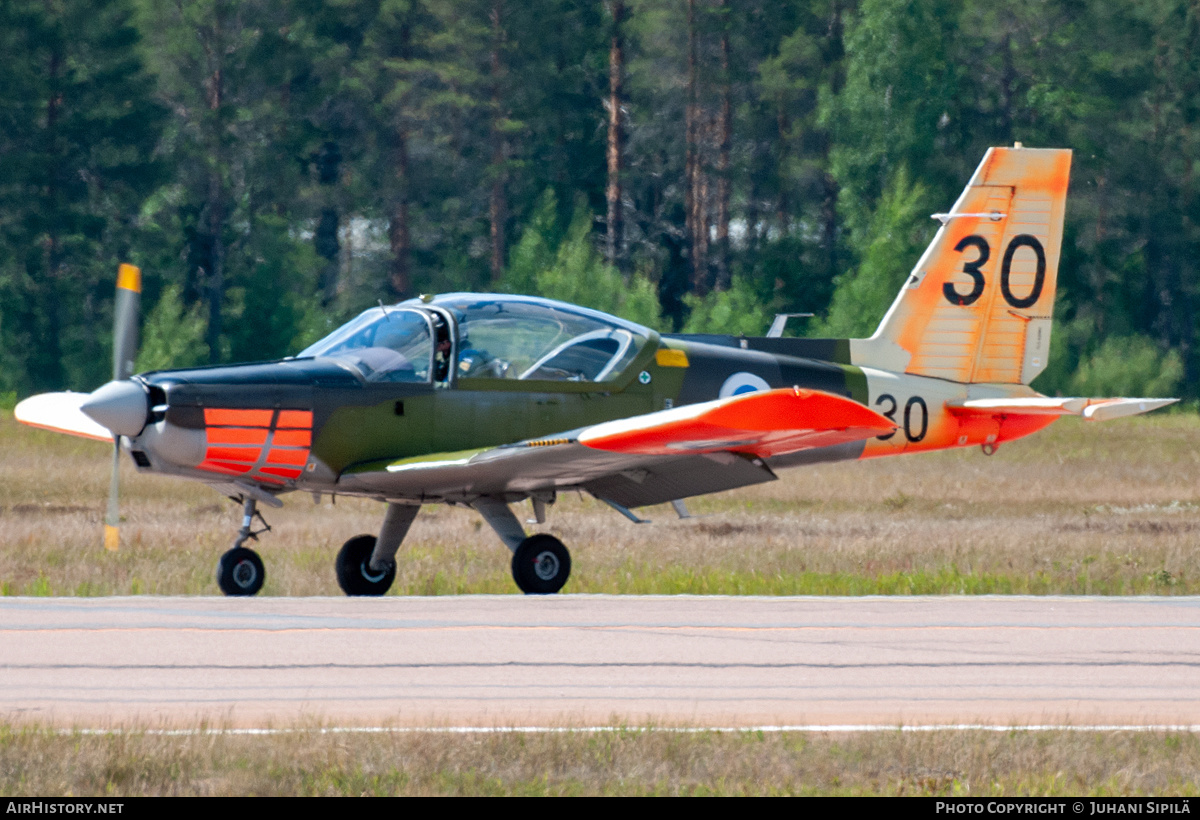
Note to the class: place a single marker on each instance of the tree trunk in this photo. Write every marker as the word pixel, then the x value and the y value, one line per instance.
pixel 325 239
pixel 725 148
pixel 692 193
pixel 214 274
pixel 497 204
pixel 51 360
pixel 616 137
pixel 829 219
pixel 781 203
pixel 399 238
pixel 213 216
pixel 1008 82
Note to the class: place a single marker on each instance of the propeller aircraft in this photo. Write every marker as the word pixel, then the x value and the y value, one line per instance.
pixel 489 400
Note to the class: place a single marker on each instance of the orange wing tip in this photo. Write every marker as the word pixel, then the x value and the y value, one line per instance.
pixel 129 277
pixel 765 423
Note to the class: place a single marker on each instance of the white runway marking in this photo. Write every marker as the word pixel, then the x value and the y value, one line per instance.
pixel 563 730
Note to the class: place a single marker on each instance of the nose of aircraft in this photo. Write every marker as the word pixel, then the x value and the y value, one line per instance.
pixel 121 406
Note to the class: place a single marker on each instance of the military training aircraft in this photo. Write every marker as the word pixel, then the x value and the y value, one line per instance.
pixel 488 400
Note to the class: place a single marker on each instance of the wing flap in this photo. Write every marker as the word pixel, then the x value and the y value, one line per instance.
pixel 1089 409
pixel 60 412
pixel 767 423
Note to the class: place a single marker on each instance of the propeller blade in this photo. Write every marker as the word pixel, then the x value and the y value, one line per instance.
pixel 112 520
pixel 125 320
pixel 125 342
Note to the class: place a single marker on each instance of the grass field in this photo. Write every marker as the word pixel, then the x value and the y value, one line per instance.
pixel 1079 509
pixel 616 762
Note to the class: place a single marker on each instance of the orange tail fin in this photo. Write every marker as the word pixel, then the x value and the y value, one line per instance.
pixel 978 305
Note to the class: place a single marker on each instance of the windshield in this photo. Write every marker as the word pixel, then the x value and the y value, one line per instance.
pixel 385 345
pixel 516 337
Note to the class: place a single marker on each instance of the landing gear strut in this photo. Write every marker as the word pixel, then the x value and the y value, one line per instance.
pixel 240 571
pixel 540 563
pixel 366 565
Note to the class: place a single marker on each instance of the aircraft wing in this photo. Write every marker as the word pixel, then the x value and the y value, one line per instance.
pixel 1089 409
pixel 648 459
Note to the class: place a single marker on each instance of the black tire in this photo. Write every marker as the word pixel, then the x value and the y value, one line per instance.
pixel 541 565
pixel 354 572
pixel 240 572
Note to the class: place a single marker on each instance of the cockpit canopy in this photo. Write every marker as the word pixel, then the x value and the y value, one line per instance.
pixel 383 344
pixel 487 336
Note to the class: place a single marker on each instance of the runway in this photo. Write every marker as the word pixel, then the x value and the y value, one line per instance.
pixel 577 660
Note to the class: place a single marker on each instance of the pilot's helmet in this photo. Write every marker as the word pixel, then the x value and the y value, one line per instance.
pixel 471 360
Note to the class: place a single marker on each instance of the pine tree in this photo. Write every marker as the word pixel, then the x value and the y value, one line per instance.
pixel 76 162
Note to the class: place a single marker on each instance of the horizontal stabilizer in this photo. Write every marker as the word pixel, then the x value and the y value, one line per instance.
pixel 1090 409
pixel 767 423
pixel 60 412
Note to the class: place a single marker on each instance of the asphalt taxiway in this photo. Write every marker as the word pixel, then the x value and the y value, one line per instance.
pixel 579 660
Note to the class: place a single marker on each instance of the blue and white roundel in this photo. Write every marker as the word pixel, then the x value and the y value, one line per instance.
pixel 743 382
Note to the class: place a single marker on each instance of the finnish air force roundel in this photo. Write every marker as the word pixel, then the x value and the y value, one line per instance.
pixel 743 382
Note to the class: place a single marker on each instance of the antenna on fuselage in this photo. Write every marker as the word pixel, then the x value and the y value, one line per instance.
pixel 780 323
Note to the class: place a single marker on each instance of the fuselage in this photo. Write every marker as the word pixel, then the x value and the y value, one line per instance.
pixel 315 421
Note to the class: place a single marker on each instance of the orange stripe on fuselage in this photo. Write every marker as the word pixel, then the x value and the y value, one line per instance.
pixel 292 438
pixel 224 467
pixel 295 419
pixel 238 435
pixel 227 417
pixel 246 454
pixel 228 427
pixel 287 457
pixel 286 472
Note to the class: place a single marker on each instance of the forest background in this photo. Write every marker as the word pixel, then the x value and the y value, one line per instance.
pixel 275 166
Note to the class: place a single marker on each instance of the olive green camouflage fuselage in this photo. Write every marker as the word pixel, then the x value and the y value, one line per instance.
pixel 358 427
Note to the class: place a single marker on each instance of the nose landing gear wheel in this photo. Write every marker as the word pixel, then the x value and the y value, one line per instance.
pixel 541 565
pixel 240 572
pixel 354 573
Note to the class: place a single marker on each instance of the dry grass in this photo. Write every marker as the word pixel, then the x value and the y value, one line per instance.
pixel 616 762
pixel 1080 508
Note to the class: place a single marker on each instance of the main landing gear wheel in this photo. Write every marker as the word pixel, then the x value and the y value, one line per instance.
pixel 240 572
pixel 354 573
pixel 541 565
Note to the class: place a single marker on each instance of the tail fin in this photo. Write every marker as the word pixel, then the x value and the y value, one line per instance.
pixel 977 307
